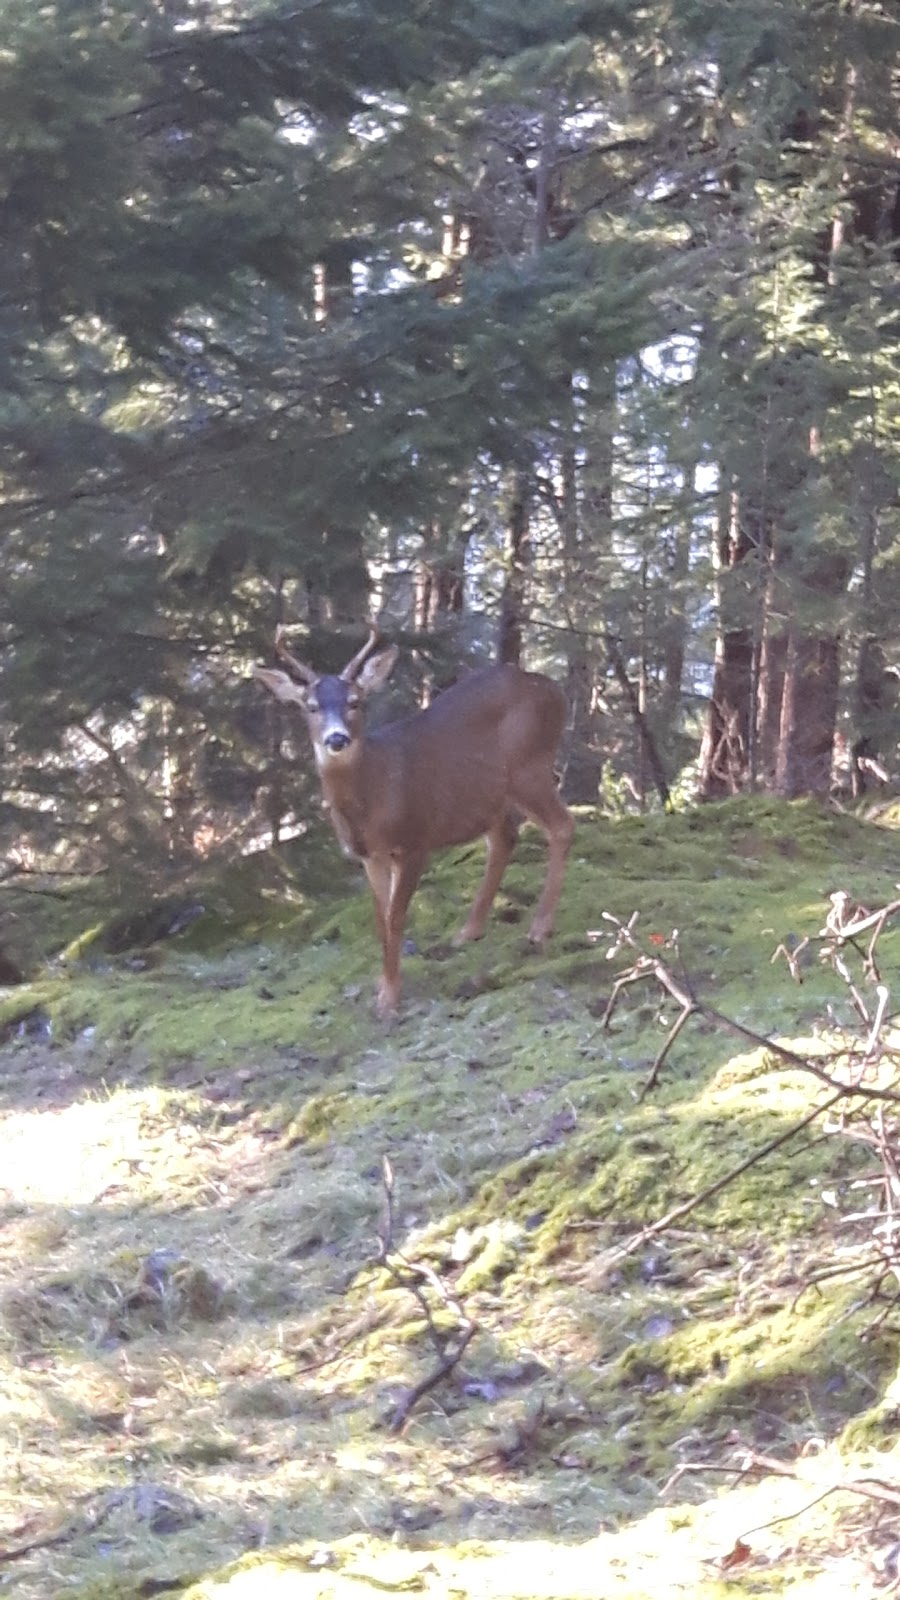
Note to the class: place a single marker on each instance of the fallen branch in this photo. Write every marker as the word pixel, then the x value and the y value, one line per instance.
pixel 653 968
pixel 751 1462
pixel 847 1088
pixel 415 1277
pixel 662 1224
pixel 44 1542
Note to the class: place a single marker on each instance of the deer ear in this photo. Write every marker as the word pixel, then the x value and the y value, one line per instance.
pixel 280 685
pixel 377 670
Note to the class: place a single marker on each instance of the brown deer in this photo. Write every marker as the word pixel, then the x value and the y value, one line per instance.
pixel 482 752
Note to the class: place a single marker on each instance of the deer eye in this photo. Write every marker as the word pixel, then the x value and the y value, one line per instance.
pixel 312 707
pixel 353 702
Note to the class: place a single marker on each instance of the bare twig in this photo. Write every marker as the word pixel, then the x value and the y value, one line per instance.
pixel 417 1277
pixel 651 967
pixel 752 1462
pixel 866 1115
pixel 663 1224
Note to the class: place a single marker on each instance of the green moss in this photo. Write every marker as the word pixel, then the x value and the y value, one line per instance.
pixel 87 940
pixel 878 1426
pixel 26 1000
pixel 319 1119
pixel 492 1252
pixel 233 1103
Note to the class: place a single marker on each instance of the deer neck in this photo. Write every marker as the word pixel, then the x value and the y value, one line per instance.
pixel 346 794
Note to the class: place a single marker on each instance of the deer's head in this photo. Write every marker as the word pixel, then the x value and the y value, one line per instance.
pixel 333 703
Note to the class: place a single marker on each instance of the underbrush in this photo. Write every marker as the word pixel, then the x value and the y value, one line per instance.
pixel 215 1305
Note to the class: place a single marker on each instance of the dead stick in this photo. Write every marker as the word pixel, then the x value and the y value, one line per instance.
pixel 662 1223
pixel 671 1036
pixel 411 1399
pixel 792 1059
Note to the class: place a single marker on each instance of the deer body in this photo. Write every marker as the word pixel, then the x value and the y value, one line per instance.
pixel 482 753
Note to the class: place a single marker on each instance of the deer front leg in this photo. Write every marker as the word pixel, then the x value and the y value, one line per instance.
pixel 396 884
pixel 379 871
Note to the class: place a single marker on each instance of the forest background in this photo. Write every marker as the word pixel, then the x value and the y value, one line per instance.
pixel 547 330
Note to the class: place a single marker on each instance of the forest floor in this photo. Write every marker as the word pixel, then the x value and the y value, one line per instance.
pixel 245 1231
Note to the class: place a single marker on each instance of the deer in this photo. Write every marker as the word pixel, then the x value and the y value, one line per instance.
pixel 470 765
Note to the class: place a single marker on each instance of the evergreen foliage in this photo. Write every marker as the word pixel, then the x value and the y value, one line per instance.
pixel 564 327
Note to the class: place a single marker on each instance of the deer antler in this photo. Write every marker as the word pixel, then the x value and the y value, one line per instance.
pixel 284 654
pixel 351 669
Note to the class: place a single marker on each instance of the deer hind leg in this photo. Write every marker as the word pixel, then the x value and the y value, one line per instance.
pixel 535 791
pixel 393 885
pixel 501 841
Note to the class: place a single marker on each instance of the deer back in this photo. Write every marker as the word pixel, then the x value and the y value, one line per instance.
pixel 443 776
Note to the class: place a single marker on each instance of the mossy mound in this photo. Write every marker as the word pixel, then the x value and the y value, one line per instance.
pixel 243 1219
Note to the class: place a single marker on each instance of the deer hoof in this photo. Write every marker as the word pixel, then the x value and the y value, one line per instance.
pixel 466 935
pixel 387 1001
pixel 539 932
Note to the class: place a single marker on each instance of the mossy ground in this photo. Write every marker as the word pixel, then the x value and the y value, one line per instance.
pixel 202 1355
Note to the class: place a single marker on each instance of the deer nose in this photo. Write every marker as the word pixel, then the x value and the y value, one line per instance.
pixel 337 741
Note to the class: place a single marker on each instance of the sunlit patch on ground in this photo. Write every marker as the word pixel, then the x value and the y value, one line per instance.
pixel 86 1153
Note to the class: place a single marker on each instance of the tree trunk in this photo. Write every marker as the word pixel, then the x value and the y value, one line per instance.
pixel 584 762
pixel 726 741
pixel 872 687
pixel 274 802
pixel 441 580
pixel 585 519
pixel 513 601
pixel 649 751
pixel 337 580
pixel 808 715
pixel 674 647
pixel 770 685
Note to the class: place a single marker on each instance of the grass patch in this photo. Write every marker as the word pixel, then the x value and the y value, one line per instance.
pixel 199 1354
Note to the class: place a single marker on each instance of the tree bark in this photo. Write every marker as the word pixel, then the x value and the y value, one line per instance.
pixel 674 646
pixel 808 715
pixel 337 580
pixel 584 762
pixel 441 580
pixel 726 741
pixel 513 601
pixel 648 743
